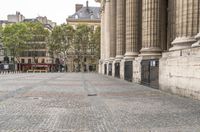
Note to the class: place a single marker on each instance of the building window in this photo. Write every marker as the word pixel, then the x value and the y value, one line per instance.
pixel 29 61
pixel 22 61
pixel 36 61
pixel 43 61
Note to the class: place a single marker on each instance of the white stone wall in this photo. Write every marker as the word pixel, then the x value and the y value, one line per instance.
pixel 179 72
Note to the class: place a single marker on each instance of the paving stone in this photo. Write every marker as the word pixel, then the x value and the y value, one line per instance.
pixel 59 102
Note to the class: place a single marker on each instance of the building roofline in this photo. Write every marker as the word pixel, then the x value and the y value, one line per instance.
pixel 83 20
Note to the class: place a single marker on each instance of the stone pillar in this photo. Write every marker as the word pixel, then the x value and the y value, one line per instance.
pixel 112 30
pixel 121 29
pixel 121 35
pixel 132 28
pixel 197 44
pixel 107 29
pixel 101 66
pixel 151 28
pixel 102 36
pixel 171 32
pixel 186 24
pixel 112 36
pixel 107 32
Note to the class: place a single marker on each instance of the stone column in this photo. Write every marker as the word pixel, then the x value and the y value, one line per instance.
pixel 171 32
pixel 151 28
pixel 121 29
pixel 107 33
pixel 102 36
pixel 112 30
pixel 197 44
pixel 107 29
pixel 101 61
pixel 121 35
pixel 132 28
pixel 112 36
pixel 186 24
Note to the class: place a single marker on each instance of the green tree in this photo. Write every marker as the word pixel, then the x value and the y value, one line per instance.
pixel 60 41
pixel 1 32
pixel 95 44
pixel 81 44
pixel 15 39
pixel 95 40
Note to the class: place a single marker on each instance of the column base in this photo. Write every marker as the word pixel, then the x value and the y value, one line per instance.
pixel 111 59
pixel 150 52
pixel 118 58
pixel 182 43
pixel 130 55
pixel 197 44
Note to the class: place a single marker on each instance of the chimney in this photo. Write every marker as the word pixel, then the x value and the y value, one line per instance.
pixel 87 4
pixel 78 7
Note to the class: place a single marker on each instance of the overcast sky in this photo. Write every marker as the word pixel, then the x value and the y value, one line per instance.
pixel 56 10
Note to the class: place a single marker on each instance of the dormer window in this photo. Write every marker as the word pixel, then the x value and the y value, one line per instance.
pixel 92 16
pixel 76 16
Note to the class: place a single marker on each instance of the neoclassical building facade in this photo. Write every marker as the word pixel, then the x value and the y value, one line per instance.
pixel 152 42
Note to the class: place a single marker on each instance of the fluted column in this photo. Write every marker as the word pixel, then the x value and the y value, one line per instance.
pixel 107 29
pixel 132 28
pixel 112 29
pixel 197 44
pixel 151 28
pixel 186 24
pixel 121 29
pixel 171 32
pixel 102 36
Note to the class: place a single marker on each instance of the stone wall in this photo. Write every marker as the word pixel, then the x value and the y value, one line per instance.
pixel 180 72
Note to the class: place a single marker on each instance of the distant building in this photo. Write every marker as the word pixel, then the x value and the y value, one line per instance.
pixel 14 18
pixel 88 16
pixel 85 15
pixel 45 21
pixel 37 58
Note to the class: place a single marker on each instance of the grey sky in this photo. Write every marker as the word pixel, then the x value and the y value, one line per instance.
pixel 56 10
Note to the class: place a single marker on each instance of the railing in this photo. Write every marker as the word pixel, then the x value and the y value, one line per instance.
pixel 9 72
pixel 37 71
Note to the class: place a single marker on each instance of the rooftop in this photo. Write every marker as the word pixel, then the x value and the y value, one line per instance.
pixel 86 12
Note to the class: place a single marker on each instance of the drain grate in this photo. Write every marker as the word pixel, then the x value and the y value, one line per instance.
pixel 92 94
pixel 35 98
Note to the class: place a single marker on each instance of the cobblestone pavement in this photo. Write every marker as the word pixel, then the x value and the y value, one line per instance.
pixel 60 103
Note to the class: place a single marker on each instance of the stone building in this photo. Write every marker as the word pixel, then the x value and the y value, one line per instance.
pixel 15 18
pixel 152 42
pixel 90 16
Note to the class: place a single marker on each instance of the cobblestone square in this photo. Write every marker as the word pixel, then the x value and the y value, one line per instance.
pixel 59 102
